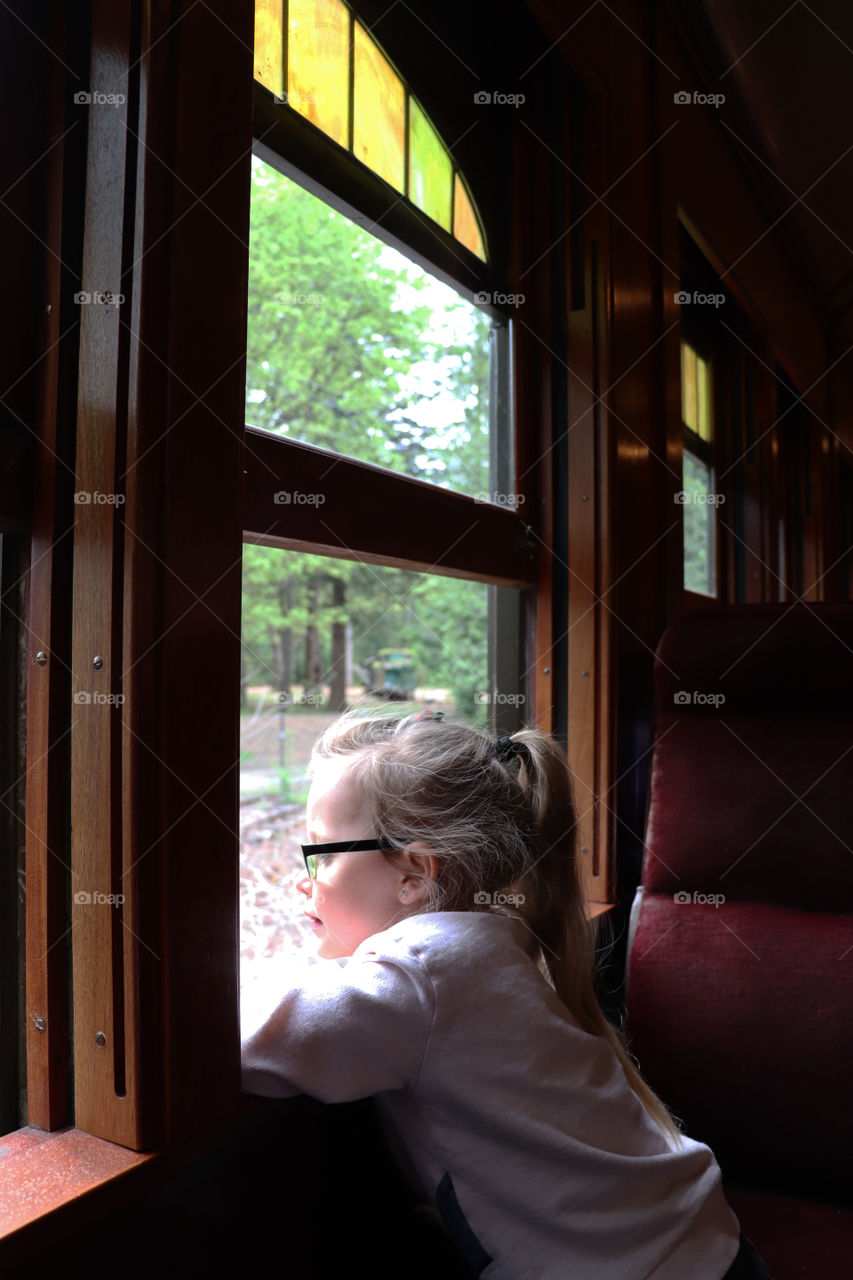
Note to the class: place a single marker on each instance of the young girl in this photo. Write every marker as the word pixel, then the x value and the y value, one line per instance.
pixel 442 879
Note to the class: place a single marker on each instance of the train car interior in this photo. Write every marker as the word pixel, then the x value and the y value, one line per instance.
pixel 494 358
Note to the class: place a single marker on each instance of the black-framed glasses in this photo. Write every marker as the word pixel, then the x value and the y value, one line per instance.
pixel 312 853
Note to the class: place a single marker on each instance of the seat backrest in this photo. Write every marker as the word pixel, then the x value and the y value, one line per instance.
pixel 740 983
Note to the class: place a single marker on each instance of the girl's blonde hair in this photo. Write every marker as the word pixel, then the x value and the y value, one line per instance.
pixel 502 830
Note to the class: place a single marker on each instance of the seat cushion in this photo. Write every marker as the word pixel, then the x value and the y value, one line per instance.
pixel 740 1017
pixel 798 1239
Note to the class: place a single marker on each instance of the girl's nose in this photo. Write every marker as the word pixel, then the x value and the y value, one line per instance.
pixel 304 886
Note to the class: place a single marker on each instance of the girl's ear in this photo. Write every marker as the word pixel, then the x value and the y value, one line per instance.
pixel 419 866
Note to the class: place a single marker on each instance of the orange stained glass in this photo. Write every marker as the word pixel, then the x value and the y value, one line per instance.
pixel 269 64
pixel 318 64
pixel 430 168
pixel 379 114
pixel 466 227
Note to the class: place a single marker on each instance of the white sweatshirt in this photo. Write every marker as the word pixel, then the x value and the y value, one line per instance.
pixel 482 1074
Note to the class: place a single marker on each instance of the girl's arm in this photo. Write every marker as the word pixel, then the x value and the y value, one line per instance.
pixel 344 1033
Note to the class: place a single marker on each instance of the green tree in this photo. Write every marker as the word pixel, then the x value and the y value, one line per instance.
pixel 346 352
pixel 349 349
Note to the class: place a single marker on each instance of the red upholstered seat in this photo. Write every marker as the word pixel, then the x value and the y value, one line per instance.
pixel 740 981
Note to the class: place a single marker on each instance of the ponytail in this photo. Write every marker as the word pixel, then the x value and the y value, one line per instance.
pixel 554 907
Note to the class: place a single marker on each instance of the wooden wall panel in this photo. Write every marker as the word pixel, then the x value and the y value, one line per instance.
pixel 158 573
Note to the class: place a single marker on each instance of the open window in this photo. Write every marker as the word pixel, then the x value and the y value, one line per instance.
pixel 388 533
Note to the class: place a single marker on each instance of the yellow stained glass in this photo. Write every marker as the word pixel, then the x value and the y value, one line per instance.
pixel 703 386
pixel 430 168
pixel 269 68
pixel 466 227
pixel 688 387
pixel 379 120
pixel 318 64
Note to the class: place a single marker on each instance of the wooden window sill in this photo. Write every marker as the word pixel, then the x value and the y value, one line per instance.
pixel 54 1183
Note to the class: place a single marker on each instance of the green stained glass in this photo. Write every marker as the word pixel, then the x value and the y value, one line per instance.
pixel 379 112
pixel 269 68
pixel 318 64
pixel 466 228
pixel 430 169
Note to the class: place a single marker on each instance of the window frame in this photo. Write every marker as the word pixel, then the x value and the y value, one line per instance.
pixel 161 207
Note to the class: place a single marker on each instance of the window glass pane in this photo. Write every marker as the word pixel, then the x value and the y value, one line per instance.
pixel 354 348
pixel 699 526
pixel 318 54
pixel 379 139
pixel 465 225
pixel 430 169
pixel 268 45
pixel 320 634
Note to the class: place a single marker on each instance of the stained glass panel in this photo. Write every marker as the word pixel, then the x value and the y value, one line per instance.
pixel 379 124
pixel 430 168
pixel 465 225
pixel 318 64
pixel 689 413
pixel 269 68
pixel 703 395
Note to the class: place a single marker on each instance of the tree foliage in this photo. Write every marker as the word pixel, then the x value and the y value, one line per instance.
pixel 353 348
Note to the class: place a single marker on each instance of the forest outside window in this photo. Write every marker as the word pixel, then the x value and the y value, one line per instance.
pixel 354 348
pixel 321 634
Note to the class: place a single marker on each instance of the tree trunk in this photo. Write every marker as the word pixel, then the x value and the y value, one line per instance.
pixel 338 678
pixel 313 662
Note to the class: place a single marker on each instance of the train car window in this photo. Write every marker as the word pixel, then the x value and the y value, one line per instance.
pixel 376 364
pixel 353 347
pixel 698 494
pixel 321 634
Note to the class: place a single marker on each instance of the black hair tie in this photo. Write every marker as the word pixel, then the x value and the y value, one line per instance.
pixel 505 749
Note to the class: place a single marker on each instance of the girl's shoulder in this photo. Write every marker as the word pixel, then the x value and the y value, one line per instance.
pixel 453 941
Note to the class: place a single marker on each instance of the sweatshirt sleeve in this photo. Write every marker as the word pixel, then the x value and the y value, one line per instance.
pixel 344 1032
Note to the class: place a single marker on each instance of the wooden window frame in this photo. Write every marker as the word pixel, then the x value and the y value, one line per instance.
pixel 156 589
